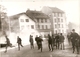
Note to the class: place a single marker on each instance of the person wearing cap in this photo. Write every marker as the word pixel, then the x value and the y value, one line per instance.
pixel 19 41
pixel 31 42
pixel 75 41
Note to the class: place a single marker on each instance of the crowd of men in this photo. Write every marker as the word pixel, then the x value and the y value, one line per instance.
pixel 54 40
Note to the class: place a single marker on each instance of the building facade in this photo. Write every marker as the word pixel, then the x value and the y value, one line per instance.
pixel 43 24
pixel 31 22
pixel 58 19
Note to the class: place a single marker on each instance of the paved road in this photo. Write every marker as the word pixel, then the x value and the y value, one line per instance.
pixel 27 52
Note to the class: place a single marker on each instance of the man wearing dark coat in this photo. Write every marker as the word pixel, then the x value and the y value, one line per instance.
pixel 50 44
pixel 7 43
pixel 19 41
pixel 57 39
pixel 62 41
pixel 36 39
pixel 31 41
pixel 75 41
pixel 40 43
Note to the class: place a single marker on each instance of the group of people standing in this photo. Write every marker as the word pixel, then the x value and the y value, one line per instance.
pixel 38 40
pixel 56 40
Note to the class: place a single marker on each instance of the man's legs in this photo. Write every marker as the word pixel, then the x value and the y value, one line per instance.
pixel 49 47
pixel 18 46
pixel 41 47
pixel 21 45
pixel 6 48
pixel 73 46
pixel 58 45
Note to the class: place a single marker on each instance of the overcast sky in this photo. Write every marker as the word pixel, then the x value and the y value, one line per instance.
pixel 70 7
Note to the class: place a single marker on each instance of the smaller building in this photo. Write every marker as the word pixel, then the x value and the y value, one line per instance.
pixel 29 23
pixel 22 26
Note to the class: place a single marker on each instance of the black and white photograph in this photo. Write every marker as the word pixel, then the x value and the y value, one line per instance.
pixel 39 28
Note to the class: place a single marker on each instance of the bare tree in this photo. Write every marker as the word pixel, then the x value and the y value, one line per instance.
pixel 3 17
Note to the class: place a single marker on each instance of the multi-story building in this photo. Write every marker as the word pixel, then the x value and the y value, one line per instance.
pixel 57 17
pixel 30 22
pixel 42 21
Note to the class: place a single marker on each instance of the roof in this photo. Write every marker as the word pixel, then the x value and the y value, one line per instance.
pixel 36 14
pixel 13 17
pixel 55 9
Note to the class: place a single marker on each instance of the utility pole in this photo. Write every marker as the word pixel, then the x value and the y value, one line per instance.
pixel 2 16
pixel 52 23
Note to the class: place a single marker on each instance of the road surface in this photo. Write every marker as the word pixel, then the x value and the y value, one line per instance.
pixel 27 52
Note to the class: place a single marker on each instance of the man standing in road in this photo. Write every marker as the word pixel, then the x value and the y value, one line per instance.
pixel 31 42
pixel 19 41
pixel 75 41
pixel 50 45
pixel 57 38
pixel 62 41
pixel 36 39
pixel 40 43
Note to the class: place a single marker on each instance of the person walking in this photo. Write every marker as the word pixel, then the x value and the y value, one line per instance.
pixel 62 41
pixel 19 41
pixel 50 43
pixel 75 41
pixel 40 43
pixel 7 43
pixel 36 39
pixel 31 42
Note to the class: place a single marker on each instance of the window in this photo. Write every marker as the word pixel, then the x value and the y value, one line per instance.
pixel 22 20
pixel 58 19
pixel 38 26
pixel 42 26
pixel 41 20
pixel 32 26
pixel 61 20
pixel 27 20
pixel 55 25
pixel 45 20
pixel 58 14
pixel 46 27
pixel 58 25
